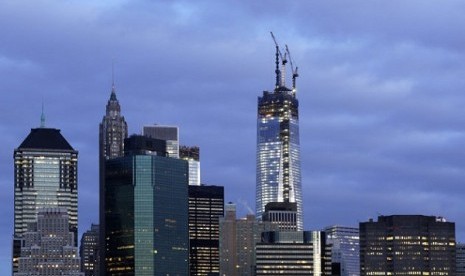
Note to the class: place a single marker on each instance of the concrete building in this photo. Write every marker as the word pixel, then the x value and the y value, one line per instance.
pixel 407 245
pixel 89 251
pixel 48 246
pixel 293 253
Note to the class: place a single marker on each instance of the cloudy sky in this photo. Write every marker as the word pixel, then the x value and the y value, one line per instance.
pixel 381 91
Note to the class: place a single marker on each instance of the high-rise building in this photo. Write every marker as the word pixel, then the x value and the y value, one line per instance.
pixel 112 131
pixel 146 215
pixel 238 238
pixel 407 245
pixel 170 134
pixel 192 155
pixel 345 249
pixel 293 253
pixel 45 167
pixel 48 246
pixel 206 206
pixel 460 257
pixel 278 147
pixel 89 251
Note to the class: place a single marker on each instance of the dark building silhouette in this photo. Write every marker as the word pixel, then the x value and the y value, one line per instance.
pixel 206 206
pixel 407 245
pixel 284 214
pixel 146 212
pixel 112 131
pixel 45 167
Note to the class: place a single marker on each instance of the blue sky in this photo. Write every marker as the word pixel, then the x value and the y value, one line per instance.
pixel 381 91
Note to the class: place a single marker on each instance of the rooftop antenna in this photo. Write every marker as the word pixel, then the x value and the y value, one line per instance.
pixel 42 116
pixel 295 74
pixel 280 74
pixel 113 74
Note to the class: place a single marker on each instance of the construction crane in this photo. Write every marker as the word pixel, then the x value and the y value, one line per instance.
pixel 280 74
pixel 295 74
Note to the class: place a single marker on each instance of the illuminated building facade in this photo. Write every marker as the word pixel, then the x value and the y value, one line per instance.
pixel 206 206
pixel 407 245
pixel 45 167
pixel 89 251
pixel 278 148
pixel 192 156
pixel 293 253
pixel 345 249
pixel 284 214
pixel 146 215
pixel 48 246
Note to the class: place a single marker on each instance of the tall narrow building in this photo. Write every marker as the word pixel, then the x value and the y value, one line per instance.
pixel 45 167
pixel 112 131
pixel 278 146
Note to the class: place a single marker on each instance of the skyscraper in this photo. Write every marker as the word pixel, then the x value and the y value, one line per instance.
pixel 192 155
pixel 48 247
pixel 146 211
pixel 112 131
pixel 407 245
pixel 278 146
pixel 45 167
pixel 206 206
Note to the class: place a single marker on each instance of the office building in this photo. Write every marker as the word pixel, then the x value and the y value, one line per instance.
pixel 192 156
pixel 170 134
pixel 460 259
pixel 206 206
pixel 238 238
pixel 407 245
pixel 345 249
pixel 89 251
pixel 278 147
pixel 293 253
pixel 146 215
pixel 112 131
pixel 45 168
pixel 284 214
pixel 48 246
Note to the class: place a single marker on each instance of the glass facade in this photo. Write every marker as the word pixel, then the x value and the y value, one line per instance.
pixel 146 216
pixel 278 151
pixel 345 248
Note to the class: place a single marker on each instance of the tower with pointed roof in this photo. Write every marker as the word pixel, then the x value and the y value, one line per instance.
pixel 45 176
pixel 278 145
pixel 112 131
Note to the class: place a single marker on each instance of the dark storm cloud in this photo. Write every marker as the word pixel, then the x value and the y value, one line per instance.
pixel 381 94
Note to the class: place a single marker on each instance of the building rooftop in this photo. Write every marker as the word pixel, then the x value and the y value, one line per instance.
pixel 45 138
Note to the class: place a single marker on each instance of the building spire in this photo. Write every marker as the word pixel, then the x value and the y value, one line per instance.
pixel 42 116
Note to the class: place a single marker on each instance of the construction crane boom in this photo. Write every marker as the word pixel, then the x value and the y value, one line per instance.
pixel 295 73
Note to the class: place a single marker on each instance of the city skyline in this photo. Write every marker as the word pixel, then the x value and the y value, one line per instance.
pixel 381 95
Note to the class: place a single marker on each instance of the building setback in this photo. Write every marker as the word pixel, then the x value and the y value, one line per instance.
pixel 48 246
pixel 45 167
pixel 146 215
pixel 407 245
pixel 89 251
pixel 206 206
